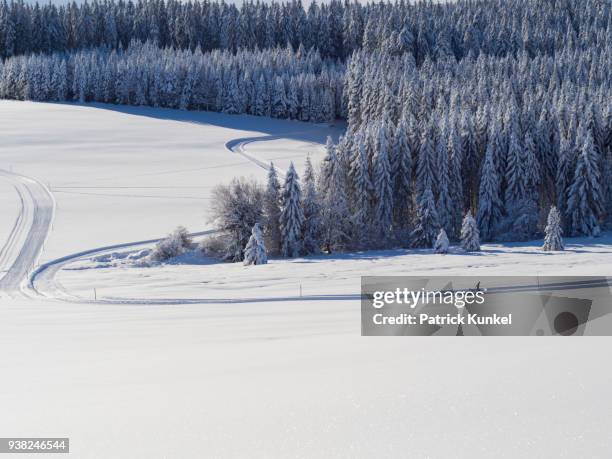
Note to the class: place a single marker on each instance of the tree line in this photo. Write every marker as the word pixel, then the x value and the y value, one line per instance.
pixel 336 28
pixel 276 82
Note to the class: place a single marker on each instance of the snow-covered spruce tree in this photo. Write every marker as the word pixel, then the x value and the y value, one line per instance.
pixel 585 205
pixel 547 137
pixel 427 226
pixel 520 198
pixel 441 245
pixel 456 157
pixel 327 167
pixel 444 204
pixel 515 184
pixel 563 178
pixel 231 95
pixel 553 233
pixel 531 180
pixel 337 233
pixel 255 251
pixel 311 239
pixel 272 211
pixel 470 237
pixel 362 190
pixel 425 176
pixel 402 178
pixel 353 92
pixel 470 156
pixel 292 216
pixel 278 102
pixel 383 190
pixel 489 203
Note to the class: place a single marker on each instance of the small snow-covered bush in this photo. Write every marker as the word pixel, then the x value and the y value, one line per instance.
pixel 214 245
pixel 441 244
pixel 177 243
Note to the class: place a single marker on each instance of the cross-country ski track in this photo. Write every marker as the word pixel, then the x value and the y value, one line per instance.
pixel 33 224
pixel 23 247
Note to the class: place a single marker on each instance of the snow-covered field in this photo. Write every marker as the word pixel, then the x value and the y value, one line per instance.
pixel 280 377
pixel 335 277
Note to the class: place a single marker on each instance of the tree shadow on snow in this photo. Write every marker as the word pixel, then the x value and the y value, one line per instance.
pixel 276 128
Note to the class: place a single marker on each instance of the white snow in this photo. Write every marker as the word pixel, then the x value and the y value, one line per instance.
pixel 330 276
pixel 280 378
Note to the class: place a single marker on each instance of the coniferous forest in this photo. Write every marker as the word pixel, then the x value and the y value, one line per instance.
pixel 496 109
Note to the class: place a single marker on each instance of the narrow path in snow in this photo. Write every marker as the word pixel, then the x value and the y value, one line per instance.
pixel 43 282
pixel 10 249
pixel 25 243
pixel 239 146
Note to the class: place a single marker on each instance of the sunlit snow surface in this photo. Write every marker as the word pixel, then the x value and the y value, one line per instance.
pixel 259 379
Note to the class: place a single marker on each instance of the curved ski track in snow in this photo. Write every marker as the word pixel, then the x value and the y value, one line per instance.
pixel 237 146
pixel 43 283
pixel 23 247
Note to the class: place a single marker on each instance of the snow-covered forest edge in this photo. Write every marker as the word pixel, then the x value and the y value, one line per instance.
pixel 464 123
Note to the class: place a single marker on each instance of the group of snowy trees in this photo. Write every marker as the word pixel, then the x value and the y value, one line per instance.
pixel 281 219
pixel 504 137
pixel 301 218
pixel 277 82
pixel 336 28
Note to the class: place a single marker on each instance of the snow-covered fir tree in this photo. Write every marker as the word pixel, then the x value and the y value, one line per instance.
pixel 553 240
pixel 489 203
pixel 383 189
pixel 427 225
pixel 311 239
pixel 327 167
pixel 442 244
pixel 444 204
pixel 515 183
pixel 255 251
pixel 585 205
pixel 337 230
pixel 402 177
pixel 362 192
pixel 425 173
pixel 563 177
pixel 470 236
pixel 272 211
pixel 292 215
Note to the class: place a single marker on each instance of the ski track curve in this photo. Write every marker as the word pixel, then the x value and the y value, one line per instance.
pixel 9 248
pixel 43 283
pixel 22 249
pixel 238 146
